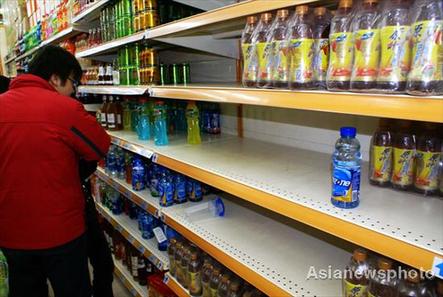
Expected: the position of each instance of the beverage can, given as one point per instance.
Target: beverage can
(186, 71)
(176, 77)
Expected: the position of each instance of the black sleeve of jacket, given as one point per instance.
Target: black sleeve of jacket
(86, 168)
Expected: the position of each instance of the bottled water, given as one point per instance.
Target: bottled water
(346, 167)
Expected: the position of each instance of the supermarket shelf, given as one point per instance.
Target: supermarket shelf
(237, 242)
(92, 107)
(296, 183)
(109, 46)
(141, 198)
(90, 13)
(114, 90)
(175, 286)
(129, 229)
(206, 5)
(378, 105)
(62, 35)
(123, 274)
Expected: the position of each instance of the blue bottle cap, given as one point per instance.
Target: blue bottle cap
(348, 132)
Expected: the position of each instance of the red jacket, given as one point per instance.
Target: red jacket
(42, 137)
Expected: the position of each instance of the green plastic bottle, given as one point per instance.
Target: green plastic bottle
(4, 287)
(192, 115)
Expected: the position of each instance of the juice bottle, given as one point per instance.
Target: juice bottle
(249, 76)
(301, 50)
(215, 281)
(143, 123)
(194, 271)
(223, 287)
(206, 277)
(403, 157)
(356, 282)
(184, 265)
(395, 50)
(366, 47)
(127, 116)
(427, 161)
(280, 50)
(322, 23)
(192, 117)
(264, 50)
(412, 286)
(111, 114)
(342, 49)
(426, 75)
(179, 274)
(382, 285)
(160, 128)
(172, 247)
(380, 165)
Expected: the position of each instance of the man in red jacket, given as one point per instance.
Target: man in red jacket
(43, 135)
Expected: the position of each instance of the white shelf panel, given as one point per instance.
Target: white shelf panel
(112, 45)
(90, 13)
(123, 274)
(114, 90)
(303, 178)
(129, 230)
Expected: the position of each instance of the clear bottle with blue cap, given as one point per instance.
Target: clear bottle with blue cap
(346, 168)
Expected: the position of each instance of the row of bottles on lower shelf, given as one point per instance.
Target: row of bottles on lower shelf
(169, 186)
(369, 45)
(376, 276)
(158, 119)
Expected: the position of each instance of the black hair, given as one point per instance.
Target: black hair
(4, 83)
(53, 59)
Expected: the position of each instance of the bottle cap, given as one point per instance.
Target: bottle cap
(360, 255)
(282, 13)
(266, 17)
(384, 264)
(345, 4)
(252, 19)
(302, 9)
(318, 11)
(348, 132)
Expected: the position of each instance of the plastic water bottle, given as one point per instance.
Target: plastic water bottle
(346, 167)
(4, 284)
(144, 124)
(138, 174)
(111, 161)
(192, 115)
(160, 126)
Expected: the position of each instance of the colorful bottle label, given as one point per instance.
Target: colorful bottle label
(403, 167)
(345, 182)
(366, 50)
(280, 56)
(427, 57)
(300, 66)
(381, 163)
(395, 60)
(321, 59)
(249, 71)
(264, 54)
(352, 290)
(341, 54)
(427, 169)
(195, 286)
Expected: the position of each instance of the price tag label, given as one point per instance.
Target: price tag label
(166, 279)
(160, 265)
(119, 228)
(150, 92)
(131, 239)
(142, 249)
(157, 213)
(133, 292)
(146, 153)
(159, 235)
(144, 205)
(154, 158)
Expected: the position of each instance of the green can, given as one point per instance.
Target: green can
(186, 72)
(164, 75)
(127, 8)
(126, 57)
(176, 76)
(125, 76)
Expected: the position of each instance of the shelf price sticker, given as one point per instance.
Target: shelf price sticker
(166, 279)
(154, 158)
(146, 153)
(133, 292)
(437, 267)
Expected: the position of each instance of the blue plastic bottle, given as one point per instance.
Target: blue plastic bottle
(160, 125)
(166, 191)
(111, 162)
(154, 180)
(144, 124)
(346, 167)
(180, 189)
(138, 174)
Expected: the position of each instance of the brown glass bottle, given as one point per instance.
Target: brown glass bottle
(119, 113)
(264, 50)
(223, 286)
(234, 288)
(427, 161)
(195, 274)
(249, 76)
(366, 48)
(103, 112)
(380, 163)
(412, 286)
(280, 50)
(111, 114)
(381, 285)
(321, 28)
(403, 157)
(301, 51)
(341, 53)
(206, 276)
(171, 253)
(356, 281)
(179, 276)
(184, 265)
(215, 281)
